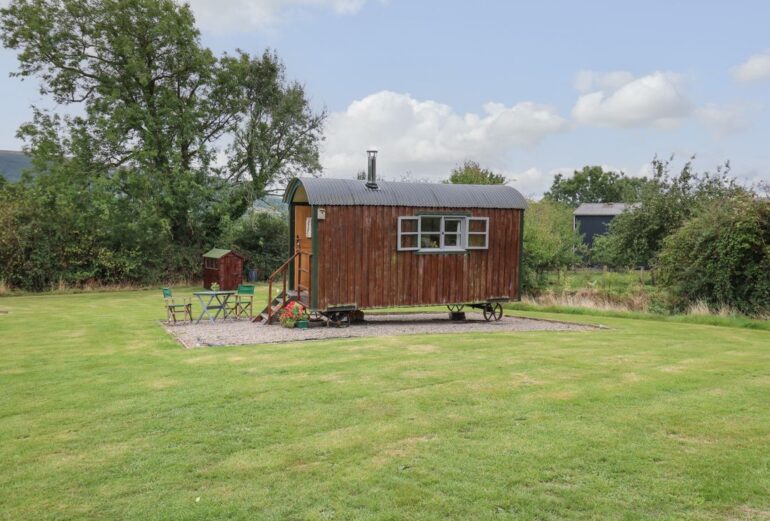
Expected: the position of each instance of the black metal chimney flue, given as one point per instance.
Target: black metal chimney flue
(371, 174)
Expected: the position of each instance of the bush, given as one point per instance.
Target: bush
(667, 201)
(550, 242)
(721, 257)
(263, 238)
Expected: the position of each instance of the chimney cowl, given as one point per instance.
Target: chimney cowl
(371, 173)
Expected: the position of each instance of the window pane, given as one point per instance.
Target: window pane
(408, 225)
(477, 225)
(477, 240)
(452, 240)
(431, 224)
(452, 225)
(409, 241)
(430, 240)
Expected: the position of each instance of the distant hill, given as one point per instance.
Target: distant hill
(12, 163)
(270, 203)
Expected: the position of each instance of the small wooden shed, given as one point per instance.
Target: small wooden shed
(224, 267)
(369, 244)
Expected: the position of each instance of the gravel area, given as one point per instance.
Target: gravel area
(245, 332)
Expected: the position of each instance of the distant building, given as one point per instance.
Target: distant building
(593, 219)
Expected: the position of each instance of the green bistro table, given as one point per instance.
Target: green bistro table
(213, 300)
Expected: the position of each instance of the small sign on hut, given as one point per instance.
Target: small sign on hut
(224, 267)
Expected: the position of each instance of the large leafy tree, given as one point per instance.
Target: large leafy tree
(277, 134)
(593, 184)
(149, 96)
(150, 106)
(667, 201)
(471, 173)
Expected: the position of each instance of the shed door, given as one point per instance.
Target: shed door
(302, 216)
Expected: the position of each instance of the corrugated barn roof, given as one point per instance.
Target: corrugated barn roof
(603, 208)
(350, 192)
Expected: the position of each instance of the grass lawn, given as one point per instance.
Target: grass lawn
(103, 416)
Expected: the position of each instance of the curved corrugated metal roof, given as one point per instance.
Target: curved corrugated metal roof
(350, 192)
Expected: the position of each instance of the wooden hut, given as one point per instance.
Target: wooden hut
(224, 267)
(368, 244)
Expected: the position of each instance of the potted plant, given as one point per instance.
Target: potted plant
(215, 286)
(295, 315)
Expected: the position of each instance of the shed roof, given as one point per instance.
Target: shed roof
(588, 209)
(351, 192)
(216, 253)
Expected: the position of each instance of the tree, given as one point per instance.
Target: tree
(550, 242)
(152, 105)
(277, 134)
(262, 237)
(667, 201)
(471, 173)
(593, 184)
(721, 256)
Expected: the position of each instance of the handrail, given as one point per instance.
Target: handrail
(282, 271)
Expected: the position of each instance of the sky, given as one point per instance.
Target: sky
(527, 89)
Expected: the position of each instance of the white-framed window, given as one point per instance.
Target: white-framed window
(434, 233)
(478, 233)
(408, 233)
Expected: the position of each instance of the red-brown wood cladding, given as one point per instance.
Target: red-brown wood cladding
(228, 274)
(359, 262)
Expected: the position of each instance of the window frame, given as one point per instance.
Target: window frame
(401, 233)
(485, 233)
(463, 233)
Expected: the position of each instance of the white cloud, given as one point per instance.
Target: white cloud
(427, 138)
(242, 15)
(621, 101)
(756, 68)
(723, 120)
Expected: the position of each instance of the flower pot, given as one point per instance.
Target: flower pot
(302, 324)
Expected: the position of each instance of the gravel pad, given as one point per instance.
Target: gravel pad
(245, 332)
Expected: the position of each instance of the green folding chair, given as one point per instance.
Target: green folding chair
(243, 306)
(172, 308)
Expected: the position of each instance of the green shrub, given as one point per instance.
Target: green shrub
(550, 242)
(263, 238)
(721, 257)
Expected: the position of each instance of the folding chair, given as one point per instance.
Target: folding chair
(244, 301)
(172, 308)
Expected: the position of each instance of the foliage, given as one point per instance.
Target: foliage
(667, 201)
(471, 173)
(293, 313)
(130, 184)
(104, 416)
(593, 184)
(277, 134)
(721, 256)
(550, 242)
(262, 238)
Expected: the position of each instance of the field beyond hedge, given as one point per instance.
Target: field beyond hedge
(103, 416)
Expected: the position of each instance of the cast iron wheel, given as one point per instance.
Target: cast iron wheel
(456, 308)
(340, 318)
(493, 311)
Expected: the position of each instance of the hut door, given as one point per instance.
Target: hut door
(302, 216)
